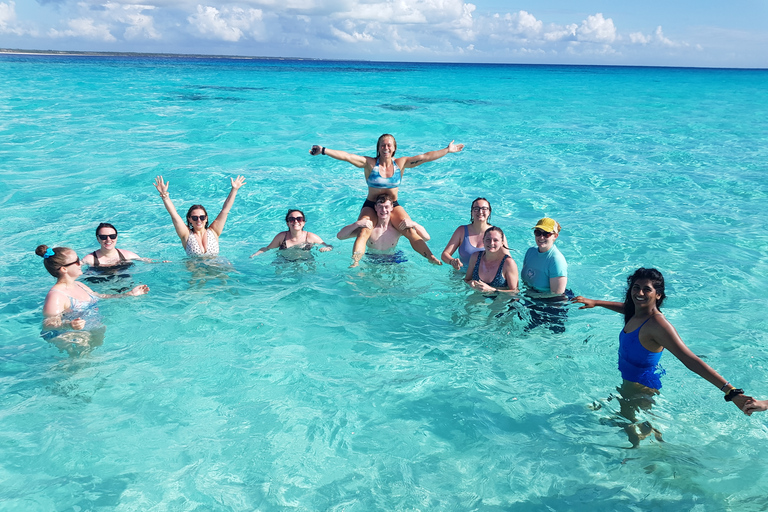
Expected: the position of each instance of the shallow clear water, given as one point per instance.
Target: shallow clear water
(265, 385)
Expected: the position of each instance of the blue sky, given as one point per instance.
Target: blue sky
(703, 33)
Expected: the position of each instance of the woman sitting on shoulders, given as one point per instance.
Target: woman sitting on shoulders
(108, 255)
(492, 270)
(545, 270)
(70, 305)
(468, 239)
(196, 235)
(295, 237)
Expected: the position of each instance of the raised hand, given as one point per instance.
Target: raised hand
(455, 148)
(237, 182)
(161, 186)
(315, 150)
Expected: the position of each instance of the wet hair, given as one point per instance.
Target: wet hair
(496, 228)
(490, 209)
(291, 211)
(643, 273)
(379, 142)
(105, 225)
(197, 207)
(383, 198)
(55, 262)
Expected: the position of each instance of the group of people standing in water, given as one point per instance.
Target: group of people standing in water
(483, 254)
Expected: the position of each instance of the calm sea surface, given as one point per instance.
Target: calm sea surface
(262, 384)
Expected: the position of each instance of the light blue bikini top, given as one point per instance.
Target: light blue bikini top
(376, 180)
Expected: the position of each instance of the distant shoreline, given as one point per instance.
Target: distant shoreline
(15, 51)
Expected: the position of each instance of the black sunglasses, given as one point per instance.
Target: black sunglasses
(545, 234)
(76, 261)
(197, 217)
(104, 237)
(295, 219)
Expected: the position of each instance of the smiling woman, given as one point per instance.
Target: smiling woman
(108, 255)
(645, 335)
(197, 237)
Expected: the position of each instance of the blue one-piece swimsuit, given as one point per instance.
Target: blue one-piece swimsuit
(466, 249)
(637, 363)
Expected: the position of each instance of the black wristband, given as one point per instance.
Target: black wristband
(323, 149)
(733, 394)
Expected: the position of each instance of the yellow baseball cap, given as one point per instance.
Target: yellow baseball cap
(548, 225)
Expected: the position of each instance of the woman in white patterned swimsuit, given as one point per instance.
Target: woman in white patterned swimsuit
(197, 236)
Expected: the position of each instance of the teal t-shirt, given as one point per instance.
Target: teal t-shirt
(538, 267)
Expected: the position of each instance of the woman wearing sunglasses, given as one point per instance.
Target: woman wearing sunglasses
(295, 238)
(108, 256)
(70, 306)
(197, 236)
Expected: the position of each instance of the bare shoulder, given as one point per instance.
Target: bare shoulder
(88, 259)
(130, 254)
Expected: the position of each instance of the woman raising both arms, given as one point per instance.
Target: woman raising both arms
(196, 235)
(384, 174)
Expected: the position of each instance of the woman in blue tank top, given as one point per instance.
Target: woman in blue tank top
(645, 335)
(384, 174)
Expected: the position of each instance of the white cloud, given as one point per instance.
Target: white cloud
(8, 22)
(140, 25)
(86, 28)
(657, 38)
(596, 29)
(229, 24)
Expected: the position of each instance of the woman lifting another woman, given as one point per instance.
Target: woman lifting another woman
(384, 174)
(196, 235)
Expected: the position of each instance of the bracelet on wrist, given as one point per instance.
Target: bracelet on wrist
(722, 388)
(323, 150)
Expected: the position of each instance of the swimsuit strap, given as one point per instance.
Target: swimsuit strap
(501, 267)
(95, 259)
(466, 231)
(641, 325)
(122, 258)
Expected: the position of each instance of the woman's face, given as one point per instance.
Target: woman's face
(296, 221)
(72, 266)
(492, 241)
(544, 240)
(197, 218)
(107, 238)
(644, 294)
(387, 147)
(481, 210)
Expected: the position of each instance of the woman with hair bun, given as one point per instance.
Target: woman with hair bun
(645, 335)
(196, 235)
(70, 305)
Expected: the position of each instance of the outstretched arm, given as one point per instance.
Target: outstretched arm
(350, 230)
(413, 161)
(139, 290)
(618, 307)
(274, 244)
(665, 335)
(218, 225)
(314, 239)
(178, 223)
(356, 160)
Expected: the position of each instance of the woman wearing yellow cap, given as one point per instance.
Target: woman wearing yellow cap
(544, 268)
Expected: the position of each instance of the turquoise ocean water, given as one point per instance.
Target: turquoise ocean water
(259, 384)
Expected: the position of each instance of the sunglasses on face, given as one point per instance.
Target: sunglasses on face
(198, 217)
(539, 232)
(113, 236)
(295, 219)
(77, 261)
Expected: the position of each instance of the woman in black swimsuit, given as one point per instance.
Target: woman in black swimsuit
(108, 256)
(295, 238)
